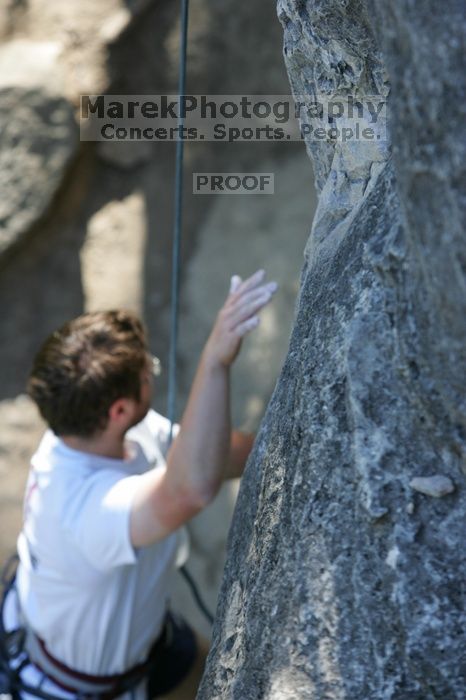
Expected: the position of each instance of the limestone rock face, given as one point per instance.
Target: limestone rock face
(51, 52)
(343, 580)
(39, 136)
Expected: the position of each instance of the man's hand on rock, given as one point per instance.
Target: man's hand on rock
(237, 317)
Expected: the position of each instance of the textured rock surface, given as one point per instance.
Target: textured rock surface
(38, 139)
(50, 53)
(342, 582)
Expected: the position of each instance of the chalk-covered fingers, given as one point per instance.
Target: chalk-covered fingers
(235, 283)
(238, 286)
(238, 316)
(246, 326)
(247, 304)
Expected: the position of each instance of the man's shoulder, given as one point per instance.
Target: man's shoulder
(48, 442)
(54, 458)
(46, 451)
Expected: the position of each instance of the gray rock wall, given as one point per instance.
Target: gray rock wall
(38, 140)
(345, 575)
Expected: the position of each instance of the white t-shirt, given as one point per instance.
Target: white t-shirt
(96, 602)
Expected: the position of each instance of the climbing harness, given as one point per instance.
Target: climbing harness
(13, 657)
(20, 648)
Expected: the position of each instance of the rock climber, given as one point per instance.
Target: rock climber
(105, 500)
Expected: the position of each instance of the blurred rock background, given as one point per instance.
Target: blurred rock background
(87, 225)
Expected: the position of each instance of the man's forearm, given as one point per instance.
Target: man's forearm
(200, 453)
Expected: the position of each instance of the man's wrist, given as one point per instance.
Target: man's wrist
(212, 363)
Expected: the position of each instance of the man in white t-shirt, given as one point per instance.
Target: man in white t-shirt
(106, 499)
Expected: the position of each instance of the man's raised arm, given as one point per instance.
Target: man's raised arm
(197, 460)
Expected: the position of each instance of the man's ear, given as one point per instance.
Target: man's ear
(120, 410)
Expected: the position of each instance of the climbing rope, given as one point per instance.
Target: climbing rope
(197, 597)
(178, 210)
(175, 282)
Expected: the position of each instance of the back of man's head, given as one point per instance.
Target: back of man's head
(84, 367)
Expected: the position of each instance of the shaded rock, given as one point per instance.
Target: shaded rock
(423, 50)
(335, 586)
(125, 154)
(21, 430)
(84, 32)
(38, 139)
(11, 12)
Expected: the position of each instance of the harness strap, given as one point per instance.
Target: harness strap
(78, 683)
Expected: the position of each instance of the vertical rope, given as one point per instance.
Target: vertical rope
(175, 287)
(178, 207)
